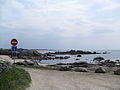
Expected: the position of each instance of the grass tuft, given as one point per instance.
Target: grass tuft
(14, 79)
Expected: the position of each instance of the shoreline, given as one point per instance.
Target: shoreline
(76, 66)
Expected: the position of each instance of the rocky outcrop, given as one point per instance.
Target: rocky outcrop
(79, 64)
(65, 68)
(77, 59)
(108, 63)
(4, 65)
(23, 54)
(80, 69)
(117, 72)
(29, 54)
(32, 54)
(79, 55)
(73, 52)
(5, 52)
(100, 70)
(64, 57)
(26, 63)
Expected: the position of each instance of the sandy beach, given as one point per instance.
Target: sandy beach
(60, 80)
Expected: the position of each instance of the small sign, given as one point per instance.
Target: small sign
(14, 48)
(14, 54)
(14, 42)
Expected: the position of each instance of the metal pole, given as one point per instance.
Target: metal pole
(14, 60)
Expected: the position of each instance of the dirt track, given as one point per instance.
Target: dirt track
(59, 80)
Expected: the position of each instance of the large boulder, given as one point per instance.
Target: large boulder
(5, 51)
(117, 72)
(79, 56)
(77, 59)
(66, 57)
(30, 63)
(109, 63)
(64, 68)
(80, 69)
(79, 64)
(29, 54)
(4, 65)
(25, 63)
(20, 63)
(100, 70)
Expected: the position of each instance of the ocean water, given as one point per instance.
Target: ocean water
(113, 55)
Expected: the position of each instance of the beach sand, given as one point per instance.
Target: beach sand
(62, 80)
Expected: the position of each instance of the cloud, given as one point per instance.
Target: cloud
(63, 22)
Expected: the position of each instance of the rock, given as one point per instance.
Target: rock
(79, 64)
(62, 57)
(117, 72)
(5, 51)
(4, 65)
(25, 63)
(79, 56)
(64, 69)
(109, 63)
(60, 64)
(73, 52)
(100, 70)
(80, 70)
(77, 59)
(58, 57)
(66, 57)
(20, 63)
(29, 63)
(29, 54)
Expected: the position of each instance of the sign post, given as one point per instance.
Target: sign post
(14, 42)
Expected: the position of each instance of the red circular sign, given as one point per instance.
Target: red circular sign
(14, 42)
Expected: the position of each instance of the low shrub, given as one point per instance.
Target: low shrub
(14, 79)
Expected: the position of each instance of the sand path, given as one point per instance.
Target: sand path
(59, 80)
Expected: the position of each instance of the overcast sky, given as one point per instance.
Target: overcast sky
(61, 24)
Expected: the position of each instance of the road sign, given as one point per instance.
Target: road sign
(14, 48)
(14, 54)
(14, 42)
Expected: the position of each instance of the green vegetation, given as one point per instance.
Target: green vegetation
(14, 79)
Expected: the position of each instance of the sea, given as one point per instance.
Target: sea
(112, 55)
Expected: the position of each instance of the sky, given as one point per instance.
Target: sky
(61, 24)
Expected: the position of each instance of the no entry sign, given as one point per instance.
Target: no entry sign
(14, 42)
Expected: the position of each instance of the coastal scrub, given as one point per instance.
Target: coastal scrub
(14, 79)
